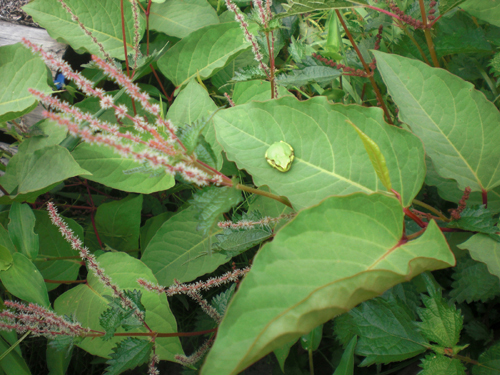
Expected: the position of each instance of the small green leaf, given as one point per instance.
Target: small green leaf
(116, 316)
(128, 354)
(282, 354)
(484, 249)
(312, 340)
(489, 362)
(476, 219)
(21, 225)
(211, 202)
(376, 157)
(434, 364)
(6, 259)
(346, 365)
(441, 323)
(24, 281)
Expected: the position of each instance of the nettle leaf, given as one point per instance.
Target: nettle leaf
(248, 73)
(452, 119)
(221, 300)
(116, 316)
(190, 134)
(317, 266)
(128, 354)
(212, 202)
(473, 282)
(203, 53)
(386, 331)
(21, 230)
(175, 251)
(485, 10)
(180, 19)
(476, 219)
(441, 323)
(308, 75)
(307, 6)
(479, 331)
(434, 364)
(329, 154)
(20, 69)
(101, 17)
(489, 362)
(484, 249)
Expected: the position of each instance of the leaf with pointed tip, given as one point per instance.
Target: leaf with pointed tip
(21, 225)
(128, 354)
(174, 251)
(476, 219)
(319, 265)
(312, 340)
(376, 157)
(329, 154)
(101, 17)
(456, 123)
(203, 52)
(181, 18)
(346, 365)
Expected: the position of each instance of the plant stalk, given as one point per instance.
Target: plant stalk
(428, 36)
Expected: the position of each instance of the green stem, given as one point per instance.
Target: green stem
(311, 362)
(410, 35)
(428, 36)
(248, 189)
(431, 209)
(367, 69)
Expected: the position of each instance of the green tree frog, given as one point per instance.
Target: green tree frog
(280, 155)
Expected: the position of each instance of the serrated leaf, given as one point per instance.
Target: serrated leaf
(308, 75)
(476, 219)
(21, 230)
(203, 52)
(212, 202)
(434, 364)
(128, 354)
(174, 252)
(86, 303)
(484, 249)
(101, 17)
(317, 266)
(485, 10)
(450, 117)
(441, 323)
(376, 157)
(307, 6)
(189, 134)
(180, 19)
(328, 152)
(20, 69)
(473, 282)
(447, 5)
(346, 365)
(221, 300)
(489, 362)
(232, 242)
(116, 316)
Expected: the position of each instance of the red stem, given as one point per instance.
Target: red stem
(484, 195)
(92, 219)
(154, 334)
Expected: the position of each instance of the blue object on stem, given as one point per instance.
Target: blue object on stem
(59, 81)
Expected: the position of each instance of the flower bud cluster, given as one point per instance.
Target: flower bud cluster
(347, 70)
(39, 320)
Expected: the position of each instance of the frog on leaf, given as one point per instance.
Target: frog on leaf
(280, 156)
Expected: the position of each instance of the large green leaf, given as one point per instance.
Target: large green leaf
(30, 172)
(181, 18)
(307, 6)
(170, 253)
(457, 124)
(329, 156)
(204, 52)
(52, 244)
(24, 281)
(245, 92)
(13, 363)
(86, 303)
(195, 104)
(484, 249)
(20, 70)
(107, 168)
(101, 17)
(487, 10)
(324, 262)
